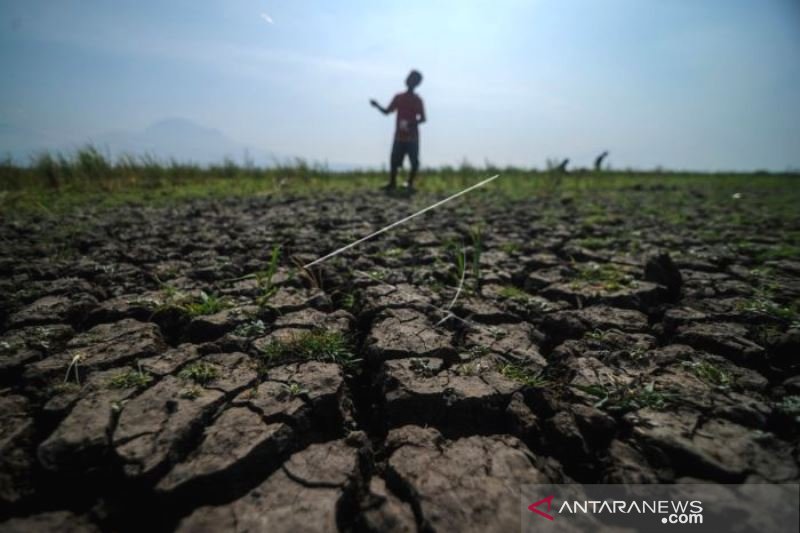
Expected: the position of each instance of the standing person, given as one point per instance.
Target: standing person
(410, 114)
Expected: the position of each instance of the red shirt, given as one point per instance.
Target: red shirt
(409, 111)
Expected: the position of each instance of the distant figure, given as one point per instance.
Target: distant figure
(563, 166)
(410, 114)
(598, 163)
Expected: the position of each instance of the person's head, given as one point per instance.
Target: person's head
(413, 80)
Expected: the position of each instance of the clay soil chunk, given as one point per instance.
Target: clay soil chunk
(235, 446)
(300, 496)
(469, 484)
(102, 347)
(153, 426)
(407, 333)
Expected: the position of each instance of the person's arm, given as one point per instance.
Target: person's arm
(421, 114)
(384, 110)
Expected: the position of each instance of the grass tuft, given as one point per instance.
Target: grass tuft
(422, 367)
(130, 379)
(294, 389)
(253, 328)
(622, 399)
(790, 406)
(514, 293)
(190, 393)
(710, 374)
(607, 277)
(200, 373)
(264, 279)
(314, 345)
(525, 375)
(207, 305)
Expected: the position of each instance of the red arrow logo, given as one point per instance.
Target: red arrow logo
(548, 501)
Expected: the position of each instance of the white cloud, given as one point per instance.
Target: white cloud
(267, 18)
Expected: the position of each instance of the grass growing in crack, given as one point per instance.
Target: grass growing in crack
(253, 328)
(460, 257)
(191, 393)
(617, 340)
(421, 367)
(294, 389)
(496, 332)
(532, 303)
(463, 261)
(477, 351)
(592, 243)
(264, 279)
(790, 406)
(10, 348)
(762, 304)
(207, 305)
(315, 345)
(350, 302)
(710, 374)
(514, 293)
(63, 388)
(606, 276)
(471, 368)
(459, 253)
(476, 238)
(777, 252)
(763, 301)
(522, 374)
(597, 335)
(200, 373)
(766, 334)
(622, 399)
(637, 353)
(131, 379)
(510, 247)
(170, 292)
(378, 275)
(392, 252)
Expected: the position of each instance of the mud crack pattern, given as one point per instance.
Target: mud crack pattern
(157, 374)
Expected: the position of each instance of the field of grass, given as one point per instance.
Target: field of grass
(54, 184)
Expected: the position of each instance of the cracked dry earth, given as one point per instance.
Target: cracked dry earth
(149, 382)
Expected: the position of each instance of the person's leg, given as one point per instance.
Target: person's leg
(413, 156)
(395, 162)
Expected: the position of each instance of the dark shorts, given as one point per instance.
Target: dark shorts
(402, 148)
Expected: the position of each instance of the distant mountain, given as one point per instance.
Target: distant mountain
(173, 138)
(179, 139)
(176, 139)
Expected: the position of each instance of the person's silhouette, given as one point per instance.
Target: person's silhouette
(598, 163)
(410, 114)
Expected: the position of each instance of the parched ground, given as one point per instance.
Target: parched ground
(157, 373)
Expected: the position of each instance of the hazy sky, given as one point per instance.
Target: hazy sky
(701, 84)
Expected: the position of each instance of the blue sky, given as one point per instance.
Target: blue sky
(687, 84)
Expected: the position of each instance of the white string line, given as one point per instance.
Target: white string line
(461, 281)
(417, 298)
(449, 313)
(406, 219)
